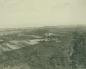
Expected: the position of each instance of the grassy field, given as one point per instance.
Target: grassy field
(43, 48)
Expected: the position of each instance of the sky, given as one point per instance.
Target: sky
(34, 13)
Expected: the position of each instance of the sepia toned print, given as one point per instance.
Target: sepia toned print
(42, 34)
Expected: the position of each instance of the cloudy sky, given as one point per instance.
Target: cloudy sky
(25, 13)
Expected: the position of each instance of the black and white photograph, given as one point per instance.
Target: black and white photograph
(42, 34)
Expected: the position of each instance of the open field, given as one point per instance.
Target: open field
(43, 48)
